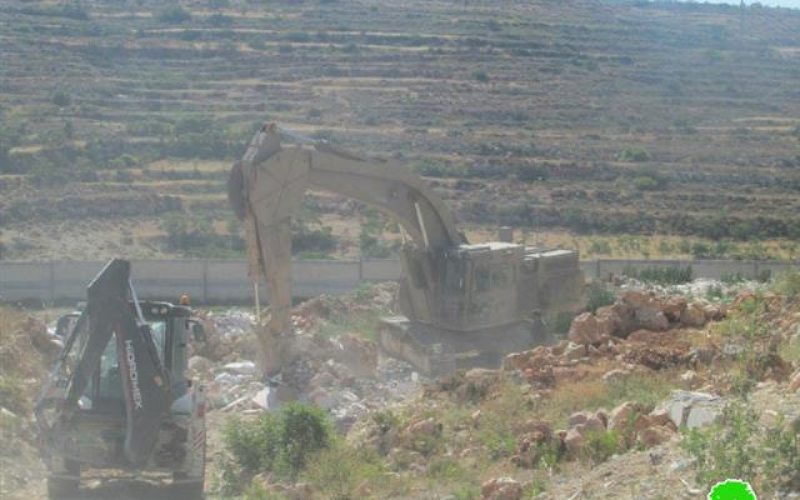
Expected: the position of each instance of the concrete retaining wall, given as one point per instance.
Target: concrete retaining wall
(226, 281)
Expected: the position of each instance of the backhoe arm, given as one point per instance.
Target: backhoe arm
(108, 317)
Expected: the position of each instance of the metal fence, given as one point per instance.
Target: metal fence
(225, 281)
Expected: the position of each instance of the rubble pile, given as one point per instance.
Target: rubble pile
(27, 349)
(343, 374)
(632, 331)
(639, 310)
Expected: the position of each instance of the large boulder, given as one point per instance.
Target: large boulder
(574, 442)
(651, 318)
(693, 409)
(617, 319)
(693, 316)
(501, 488)
(653, 436)
(586, 331)
(622, 418)
(673, 307)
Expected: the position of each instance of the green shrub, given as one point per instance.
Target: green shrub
(531, 173)
(633, 155)
(480, 76)
(600, 446)
(649, 183)
(598, 295)
(666, 275)
(599, 247)
(62, 99)
(340, 471)
(281, 443)
(789, 285)
(173, 14)
(736, 447)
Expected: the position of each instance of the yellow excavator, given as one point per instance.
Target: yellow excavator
(463, 305)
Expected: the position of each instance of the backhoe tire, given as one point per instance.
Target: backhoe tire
(59, 488)
(62, 488)
(187, 490)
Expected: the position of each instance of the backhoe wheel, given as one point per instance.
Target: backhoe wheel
(59, 488)
(187, 490)
(62, 488)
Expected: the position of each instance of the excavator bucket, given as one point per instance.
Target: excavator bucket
(109, 317)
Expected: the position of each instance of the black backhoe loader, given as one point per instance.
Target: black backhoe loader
(117, 397)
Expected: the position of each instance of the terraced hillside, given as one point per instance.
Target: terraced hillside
(119, 119)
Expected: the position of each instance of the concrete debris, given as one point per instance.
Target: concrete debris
(241, 368)
(693, 409)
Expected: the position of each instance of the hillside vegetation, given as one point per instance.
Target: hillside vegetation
(580, 115)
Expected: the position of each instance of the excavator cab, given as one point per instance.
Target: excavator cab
(117, 397)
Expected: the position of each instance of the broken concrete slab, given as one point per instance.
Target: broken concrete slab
(693, 409)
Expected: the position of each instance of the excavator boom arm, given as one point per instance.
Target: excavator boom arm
(267, 186)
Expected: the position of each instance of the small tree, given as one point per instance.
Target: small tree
(173, 14)
(62, 99)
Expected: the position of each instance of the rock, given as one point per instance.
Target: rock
(423, 428)
(515, 361)
(617, 318)
(501, 488)
(584, 330)
(689, 378)
(574, 352)
(794, 382)
(595, 424)
(540, 429)
(653, 436)
(476, 418)
(651, 319)
(636, 299)
(199, 364)
(528, 451)
(322, 379)
(559, 348)
(266, 399)
(622, 418)
(673, 307)
(359, 354)
(692, 409)
(241, 368)
(577, 418)
(10, 421)
(714, 312)
(574, 442)
(602, 416)
(693, 316)
(661, 418)
(322, 398)
(615, 376)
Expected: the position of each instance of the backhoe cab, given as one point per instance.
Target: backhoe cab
(117, 397)
(463, 304)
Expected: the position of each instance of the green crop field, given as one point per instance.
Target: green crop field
(622, 128)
